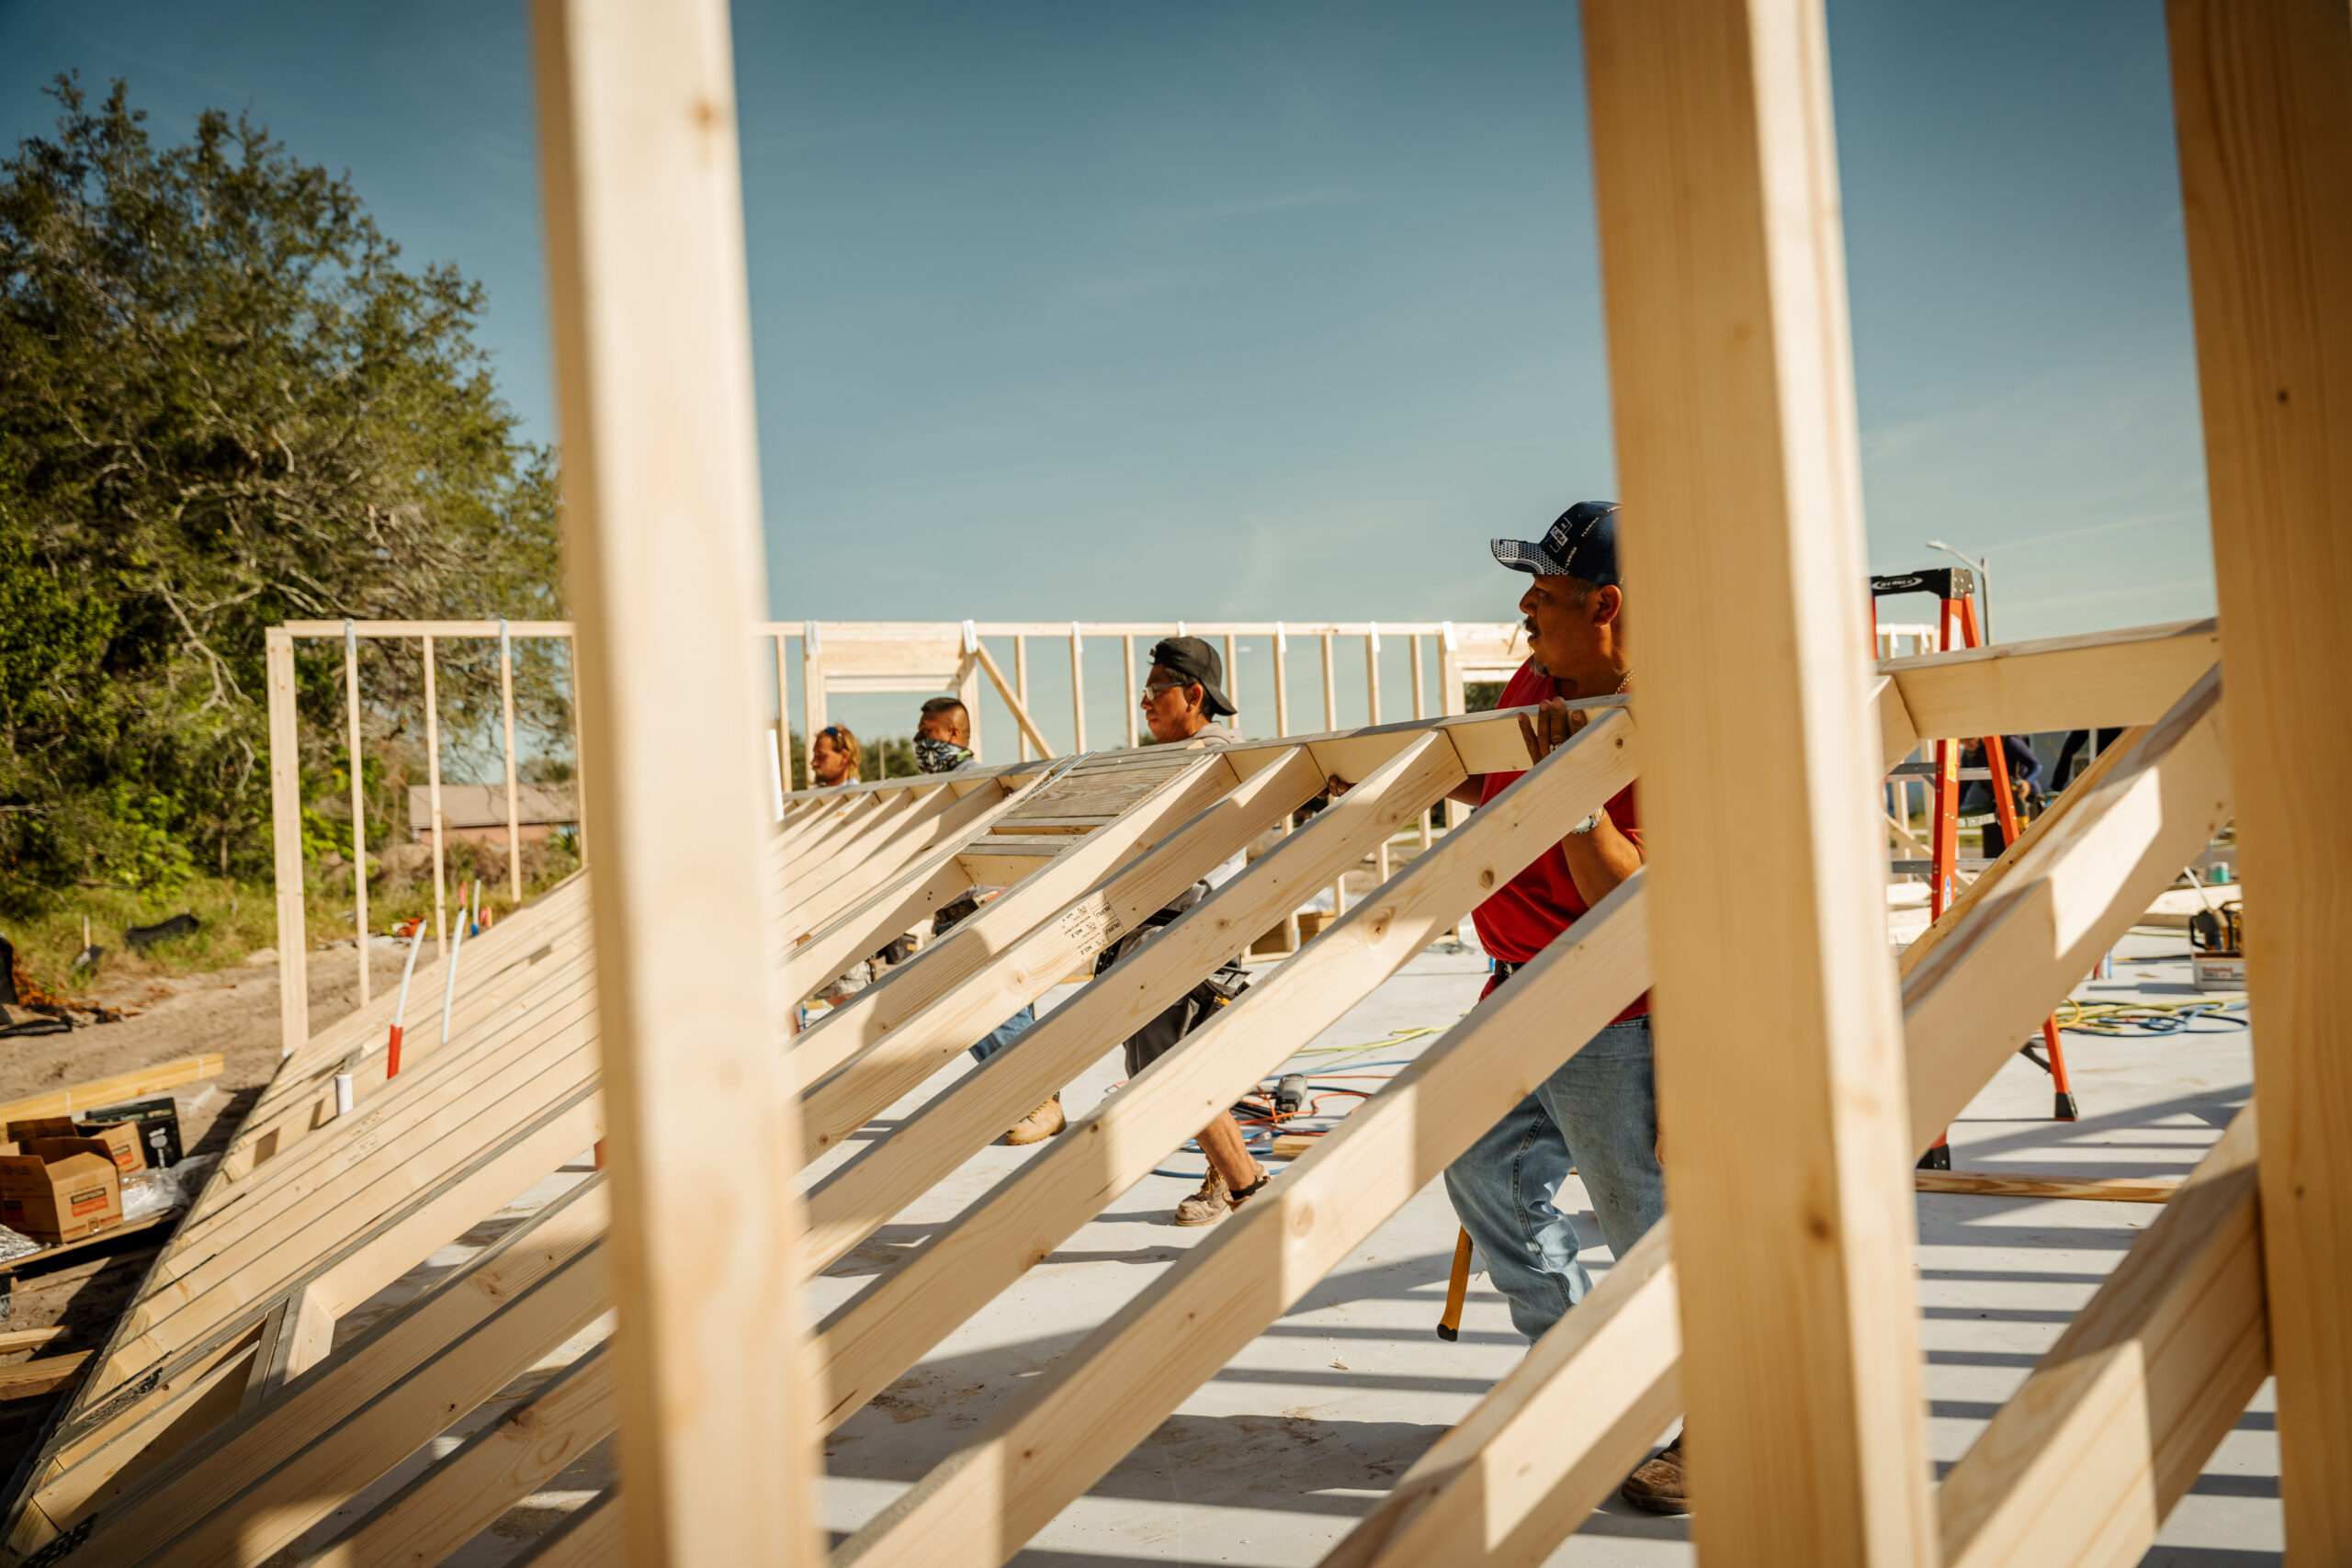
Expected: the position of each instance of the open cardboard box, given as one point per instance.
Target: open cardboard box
(58, 1190)
(120, 1138)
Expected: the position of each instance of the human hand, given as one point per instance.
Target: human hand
(1554, 723)
(1337, 786)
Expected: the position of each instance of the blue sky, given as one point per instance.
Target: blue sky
(1282, 309)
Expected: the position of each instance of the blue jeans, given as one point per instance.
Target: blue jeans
(1005, 1033)
(1597, 1114)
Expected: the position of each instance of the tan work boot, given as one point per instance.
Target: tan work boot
(1659, 1486)
(1038, 1125)
(1215, 1200)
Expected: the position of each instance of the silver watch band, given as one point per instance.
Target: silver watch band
(1587, 825)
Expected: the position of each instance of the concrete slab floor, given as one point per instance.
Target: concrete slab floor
(1276, 1458)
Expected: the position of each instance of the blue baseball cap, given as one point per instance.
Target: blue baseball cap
(1581, 543)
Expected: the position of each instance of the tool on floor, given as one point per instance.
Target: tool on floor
(400, 1007)
(1955, 589)
(1457, 1291)
(2217, 947)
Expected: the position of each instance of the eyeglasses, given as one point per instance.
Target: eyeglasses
(1151, 694)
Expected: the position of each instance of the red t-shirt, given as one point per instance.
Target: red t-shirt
(1523, 916)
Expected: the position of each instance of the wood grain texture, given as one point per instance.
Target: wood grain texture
(662, 549)
(2262, 106)
(2083, 1462)
(1723, 271)
(978, 1506)
(1525, 1468)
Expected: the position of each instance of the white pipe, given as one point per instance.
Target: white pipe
(449, 989)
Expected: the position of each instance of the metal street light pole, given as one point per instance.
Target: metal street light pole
(1984, 576)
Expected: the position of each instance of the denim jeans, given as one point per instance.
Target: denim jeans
(1005, 1033)
(1597, 1114)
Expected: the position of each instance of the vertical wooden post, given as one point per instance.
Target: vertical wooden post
(1789, 1168)
(1232, 677)
(1021, 688)
(2262, 100)
(1371, 714)
(1077, 688)
(433, 796)
(286, 842)
(578, 761)
(1282, 727)
(1420, 710)
(1331, 722)
(359, 807)
(1128, 644)
(1282, 680)
(513, 806)
(782, 715)
(638, 138)
(1330, 683)
(812, 695)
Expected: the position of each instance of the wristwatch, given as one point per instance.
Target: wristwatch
(1587, 825)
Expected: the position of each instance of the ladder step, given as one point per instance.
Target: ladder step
(1928, 867)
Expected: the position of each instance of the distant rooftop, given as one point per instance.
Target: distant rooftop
(484, 806)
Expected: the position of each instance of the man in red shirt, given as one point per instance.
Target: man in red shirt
(1598, 1114)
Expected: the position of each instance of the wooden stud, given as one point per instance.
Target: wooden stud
(2083, 1462)
(782, 717)
(1077, 688)
(637, 139)
(1021, 690)
(137, 1084)
(433, 795)
(1015, 700)
(1372, 717)
(812, 697)
(359, 809)
(286, 836)
(1232, 677)
(1526, 1469)
(1733, 383)
(847, 1206)
(1128, 643)
(2085, 1188)
(514, 811)
(462, 1494)
(589, 1536)
(2262, 106)
(1074, 1421)
(878, 1334)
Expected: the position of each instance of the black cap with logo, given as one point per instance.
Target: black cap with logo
(1581, 543)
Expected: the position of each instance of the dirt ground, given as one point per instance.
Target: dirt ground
(233, 1011)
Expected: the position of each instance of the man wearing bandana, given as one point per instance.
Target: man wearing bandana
(944, 745)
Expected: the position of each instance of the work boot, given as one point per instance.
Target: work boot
(1659, 1486)
(1215, 1200)
(1038, 1125)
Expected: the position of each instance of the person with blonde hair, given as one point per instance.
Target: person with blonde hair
(833, 757)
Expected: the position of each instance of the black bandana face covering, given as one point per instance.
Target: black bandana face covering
(940, 756)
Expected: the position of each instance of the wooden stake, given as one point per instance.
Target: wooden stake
(433, 790)
(359, 808)
(286, 842)
(637, 135)
(2262, 102)
(1790, 1178)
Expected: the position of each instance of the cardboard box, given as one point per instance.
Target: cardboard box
(121, 1139)
(58, 1190)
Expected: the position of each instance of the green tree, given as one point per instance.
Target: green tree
(225, 403)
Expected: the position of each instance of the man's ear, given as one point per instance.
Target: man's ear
(1608, 604)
